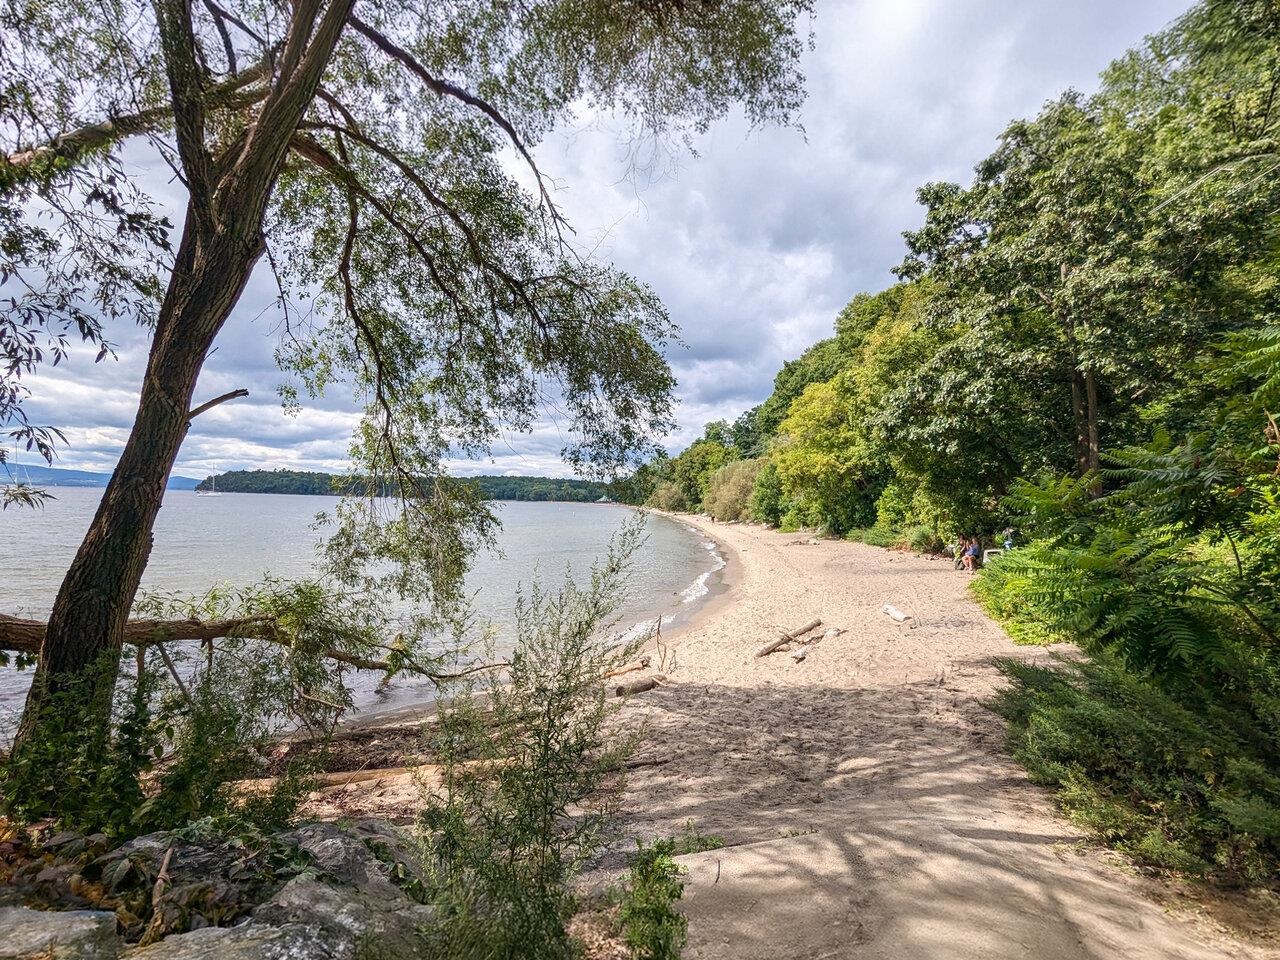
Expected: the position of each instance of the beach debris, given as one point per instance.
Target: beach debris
(786, 636)
(895, 614)
(638, 686)
(641, 664)
(802, 651)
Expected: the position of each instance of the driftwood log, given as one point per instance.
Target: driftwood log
(786, 636)
(638, 686)
(641, 664)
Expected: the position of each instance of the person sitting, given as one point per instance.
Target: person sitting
(972, 551)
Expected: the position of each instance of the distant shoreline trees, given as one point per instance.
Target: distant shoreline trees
(316, 483)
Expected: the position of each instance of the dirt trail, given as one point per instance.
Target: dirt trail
(869, 808)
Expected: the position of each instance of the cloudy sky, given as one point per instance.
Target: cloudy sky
(753, 245)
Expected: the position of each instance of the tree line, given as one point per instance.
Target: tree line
(1084, 346)
(316, 483)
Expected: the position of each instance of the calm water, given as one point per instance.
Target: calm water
(237, 538)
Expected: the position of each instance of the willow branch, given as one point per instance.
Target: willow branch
(310, 149)
(79, 143)
(444, 88)
(514, 284)
(18, 635)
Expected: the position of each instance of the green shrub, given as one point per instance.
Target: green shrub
(874, 536)
(767, 504)
(1005, 590)
(1184, 783)
(168, 758)
(922, 539)
(730, 490)
(526, 756)
(667, 496)
(651, 926)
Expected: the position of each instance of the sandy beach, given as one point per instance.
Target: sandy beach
(866, 802)
(864, 797)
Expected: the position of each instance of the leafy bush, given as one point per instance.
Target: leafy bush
(167, 759)
(767, 504)
(525, 758)
(1184, 782)
(730, 490)
(651, 926)
(667, 496)
(922, 539)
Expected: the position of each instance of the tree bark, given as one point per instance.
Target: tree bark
(1093, 446)
(1080, 419)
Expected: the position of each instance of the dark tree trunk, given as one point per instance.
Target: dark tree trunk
(1093, 446)
(1080, 419)
(86, 628)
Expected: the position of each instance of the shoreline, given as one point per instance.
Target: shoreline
(720, 582)
(864, 796)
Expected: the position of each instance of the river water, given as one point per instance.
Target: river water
(238, 538)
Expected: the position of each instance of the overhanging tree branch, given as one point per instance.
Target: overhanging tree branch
(232, 395)
(79, 143)
(446, 89)
(19, 635)
(485, 263)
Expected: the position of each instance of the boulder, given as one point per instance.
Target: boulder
(249, 941)
(57, 934)
(348, 919)
(343, 858)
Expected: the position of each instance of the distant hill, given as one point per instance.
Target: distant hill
(57, 477)
(327, 484)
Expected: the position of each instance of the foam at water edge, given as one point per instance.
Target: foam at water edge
(699, 589)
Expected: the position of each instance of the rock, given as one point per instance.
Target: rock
(348, 918)
(57, 935)
(397, 848)
(343, 857)
(249, 941)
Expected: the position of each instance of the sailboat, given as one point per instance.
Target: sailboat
(213, 488)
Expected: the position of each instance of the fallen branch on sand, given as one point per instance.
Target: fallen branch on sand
(786, 637)
(638, 686)
(642, 664)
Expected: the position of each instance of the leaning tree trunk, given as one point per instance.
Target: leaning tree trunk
(86, 628)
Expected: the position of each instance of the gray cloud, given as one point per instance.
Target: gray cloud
(754, 244)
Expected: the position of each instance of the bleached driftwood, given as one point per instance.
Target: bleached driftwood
(786, 636)
(895, 614)
(641, 664)
(638, 686)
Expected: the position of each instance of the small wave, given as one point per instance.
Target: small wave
(699, 589)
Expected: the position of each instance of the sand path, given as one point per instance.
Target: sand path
(867, 804)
